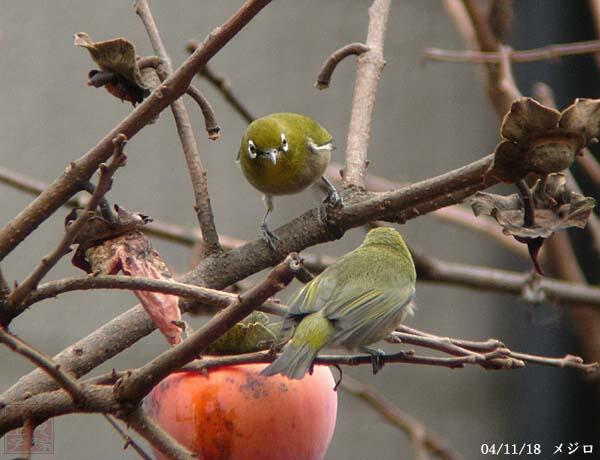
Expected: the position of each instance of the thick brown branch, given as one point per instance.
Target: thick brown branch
(220, 271)
(324, 77)
(141, 381)
(457, 215)
(551, 52)
(44, 362)
(156, 436)
(73, 180)
(71, 232)
(196, 169)
(368, 70)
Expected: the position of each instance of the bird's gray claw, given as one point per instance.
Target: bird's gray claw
(269, 237)
(377, 356)
(334, 199)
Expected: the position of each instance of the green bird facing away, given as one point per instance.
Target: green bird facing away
(355, 302)
(282, 154)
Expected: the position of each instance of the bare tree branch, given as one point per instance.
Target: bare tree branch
(422, 438)
(212, 297)
(220, 271)
(223, 86)
(129, 441)
(210, 120)
(531, 289)
(457, 215)
(44, 362)
(368, 70)
(197, 172)
(82, 169)
(324, 77)
(550, 52)
(131, 386)
(139, 383)
(71, 232)
(156, 436)
(594, 6)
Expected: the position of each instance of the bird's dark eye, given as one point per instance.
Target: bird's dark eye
(251, 149)
(284, 143)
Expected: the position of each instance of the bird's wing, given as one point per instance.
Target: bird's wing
(362, 317)
(315, 294)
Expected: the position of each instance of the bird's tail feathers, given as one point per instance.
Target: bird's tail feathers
(294, 361)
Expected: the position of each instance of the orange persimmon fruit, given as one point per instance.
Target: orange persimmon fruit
(233, 413)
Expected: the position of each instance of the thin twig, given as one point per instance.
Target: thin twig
(490, 354)
(129, 441)
(527, 199)
(550, 52)
(210, 120)
(156, 436)
(368, 70)
(429, 268)
(491, 279)
(64, 246)
(594, 6)
(223, 86)
(457, 12)
(196, 169)
(421, 437)
(500, 86)
(72, 181)
(44, 362)
(141, 381)
(28, 438)
(324, 77)
(130, 386)
(212, 297)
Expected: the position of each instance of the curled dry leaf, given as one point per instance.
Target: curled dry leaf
(256, 332)
(119, 73)
(541, 140)
(554, 208)
(110, 247)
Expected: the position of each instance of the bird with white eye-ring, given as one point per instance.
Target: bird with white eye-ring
(282, 154)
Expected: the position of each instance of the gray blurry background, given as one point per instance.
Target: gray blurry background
(428, 119)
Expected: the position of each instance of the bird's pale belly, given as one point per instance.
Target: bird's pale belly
(285, 179)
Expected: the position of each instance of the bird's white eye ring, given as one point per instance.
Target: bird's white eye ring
(284, 143)
(251, 149)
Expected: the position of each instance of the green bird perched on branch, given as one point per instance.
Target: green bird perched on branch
(282, 154)
(355, 302)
